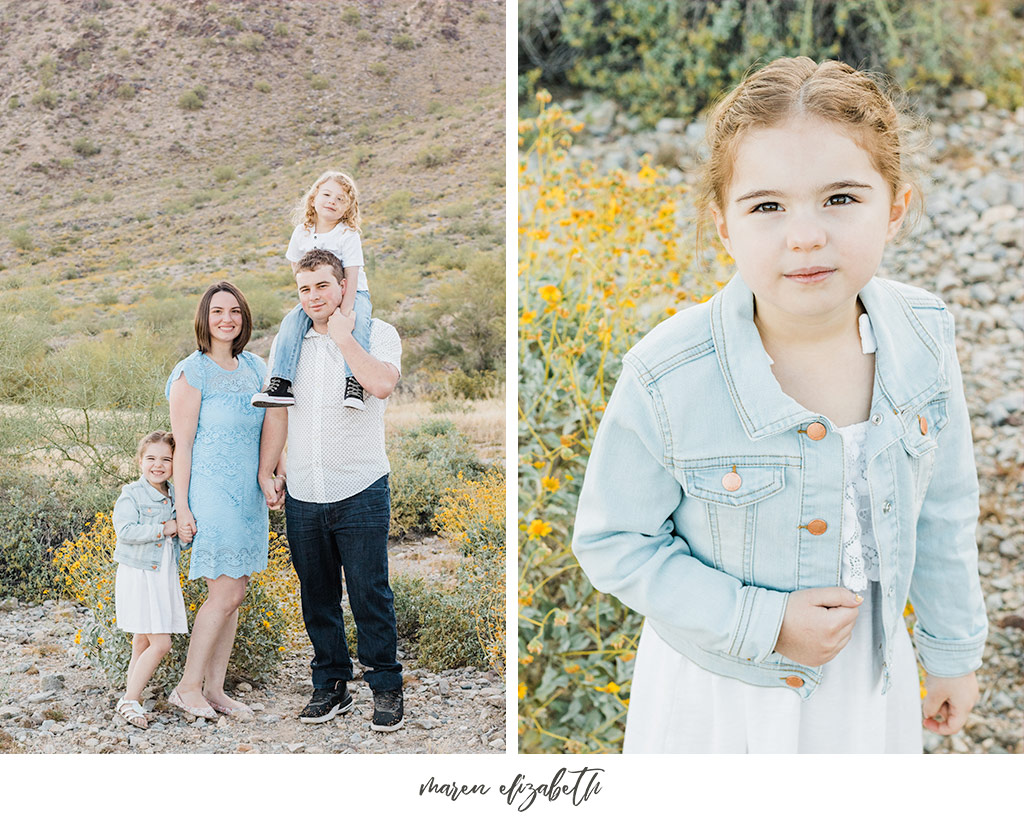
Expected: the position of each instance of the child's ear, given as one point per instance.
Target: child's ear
(720, 226)
(898, 211)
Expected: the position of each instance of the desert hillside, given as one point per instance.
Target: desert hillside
(149, 149)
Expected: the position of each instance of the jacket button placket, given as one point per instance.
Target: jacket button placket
(820, 450)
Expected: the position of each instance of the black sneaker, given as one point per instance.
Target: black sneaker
(387, 711)
(353, 394)
(326, 703)
(277, 393)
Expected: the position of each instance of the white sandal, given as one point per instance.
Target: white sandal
(132, 712)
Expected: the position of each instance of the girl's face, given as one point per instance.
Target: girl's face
(225, 317)
(331, 201)
(806, 218)
(156, 462)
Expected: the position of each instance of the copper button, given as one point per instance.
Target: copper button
(732, 481)
(924, 425)
(817, 527)
(794, 681)
(816, 431)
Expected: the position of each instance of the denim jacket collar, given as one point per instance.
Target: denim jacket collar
(153, 493)
(908, 362)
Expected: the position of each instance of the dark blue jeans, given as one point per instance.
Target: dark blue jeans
(349, 535)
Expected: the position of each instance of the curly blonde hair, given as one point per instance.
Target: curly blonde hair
(305, 214)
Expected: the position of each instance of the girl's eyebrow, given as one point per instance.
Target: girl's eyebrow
(839, 184)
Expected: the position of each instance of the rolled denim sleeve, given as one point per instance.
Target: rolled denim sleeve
(127, 526)
(625, 538)
(945, 589)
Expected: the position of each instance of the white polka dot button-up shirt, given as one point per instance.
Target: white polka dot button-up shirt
(335, 452)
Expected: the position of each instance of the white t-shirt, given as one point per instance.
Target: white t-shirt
(335, 452)
(341, 241)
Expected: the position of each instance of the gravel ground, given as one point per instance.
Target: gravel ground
(52, 700)
(967, 249)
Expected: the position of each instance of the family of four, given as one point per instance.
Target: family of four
(331, 371)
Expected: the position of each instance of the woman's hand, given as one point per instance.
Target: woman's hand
(818, 623)
(186, 525)
(947, 702)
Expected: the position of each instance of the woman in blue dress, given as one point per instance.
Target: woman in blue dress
(217, 432)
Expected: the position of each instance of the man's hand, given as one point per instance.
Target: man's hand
(947, 702)
(340, 326)
(273, 490)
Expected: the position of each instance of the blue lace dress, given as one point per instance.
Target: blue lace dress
(223, 494)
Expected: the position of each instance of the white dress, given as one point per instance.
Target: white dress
(149, 600)
(677, 707)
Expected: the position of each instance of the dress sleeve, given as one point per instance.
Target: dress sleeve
(193, 371)
(257, 364)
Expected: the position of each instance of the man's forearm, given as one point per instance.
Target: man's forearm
(375, 376)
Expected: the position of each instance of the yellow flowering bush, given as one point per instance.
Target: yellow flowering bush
(602, 259)
(269, 619)
(472, 517)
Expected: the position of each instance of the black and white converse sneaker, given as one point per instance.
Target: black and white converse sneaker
(277, 393)
(353, 394)
(326, 703)
(388, 711)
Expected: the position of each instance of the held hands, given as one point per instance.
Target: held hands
(273, 490)
(170, 528)
(186, 526)
(947, 702)
(818, 623)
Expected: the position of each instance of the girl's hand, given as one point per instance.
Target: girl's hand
(340, 326)
(186, 526)
(947, 702)
(818, 623)
(170, 528)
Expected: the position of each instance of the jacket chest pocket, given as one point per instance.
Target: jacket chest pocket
(731, 492)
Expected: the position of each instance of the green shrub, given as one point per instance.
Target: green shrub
(251, 41)
(20, 238)
(318, 82)
(397, 204)
(673, 59)
(351, 16)
(379, 69)
(36, 514)
(403, 42)
(193, 99)
(424, 462)
(86, 571)
(438, 622)
(433, 155)
(85, 147)
(47, 98)
(222, 174)
(261, 86)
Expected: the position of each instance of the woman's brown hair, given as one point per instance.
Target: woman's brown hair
(202, 324)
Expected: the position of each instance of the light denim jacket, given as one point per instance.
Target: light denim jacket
(139, 517)
(711, 567)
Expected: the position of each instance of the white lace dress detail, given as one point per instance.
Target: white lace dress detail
(860, 551)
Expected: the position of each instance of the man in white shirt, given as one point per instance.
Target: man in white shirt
(338, 505)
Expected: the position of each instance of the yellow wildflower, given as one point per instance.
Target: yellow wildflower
(538, 528)
(550, 294)
(550, 484)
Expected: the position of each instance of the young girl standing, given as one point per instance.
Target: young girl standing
(327, 217)
(779, 468)
(147, 591)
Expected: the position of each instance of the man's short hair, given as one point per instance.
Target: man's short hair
(315, 258)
